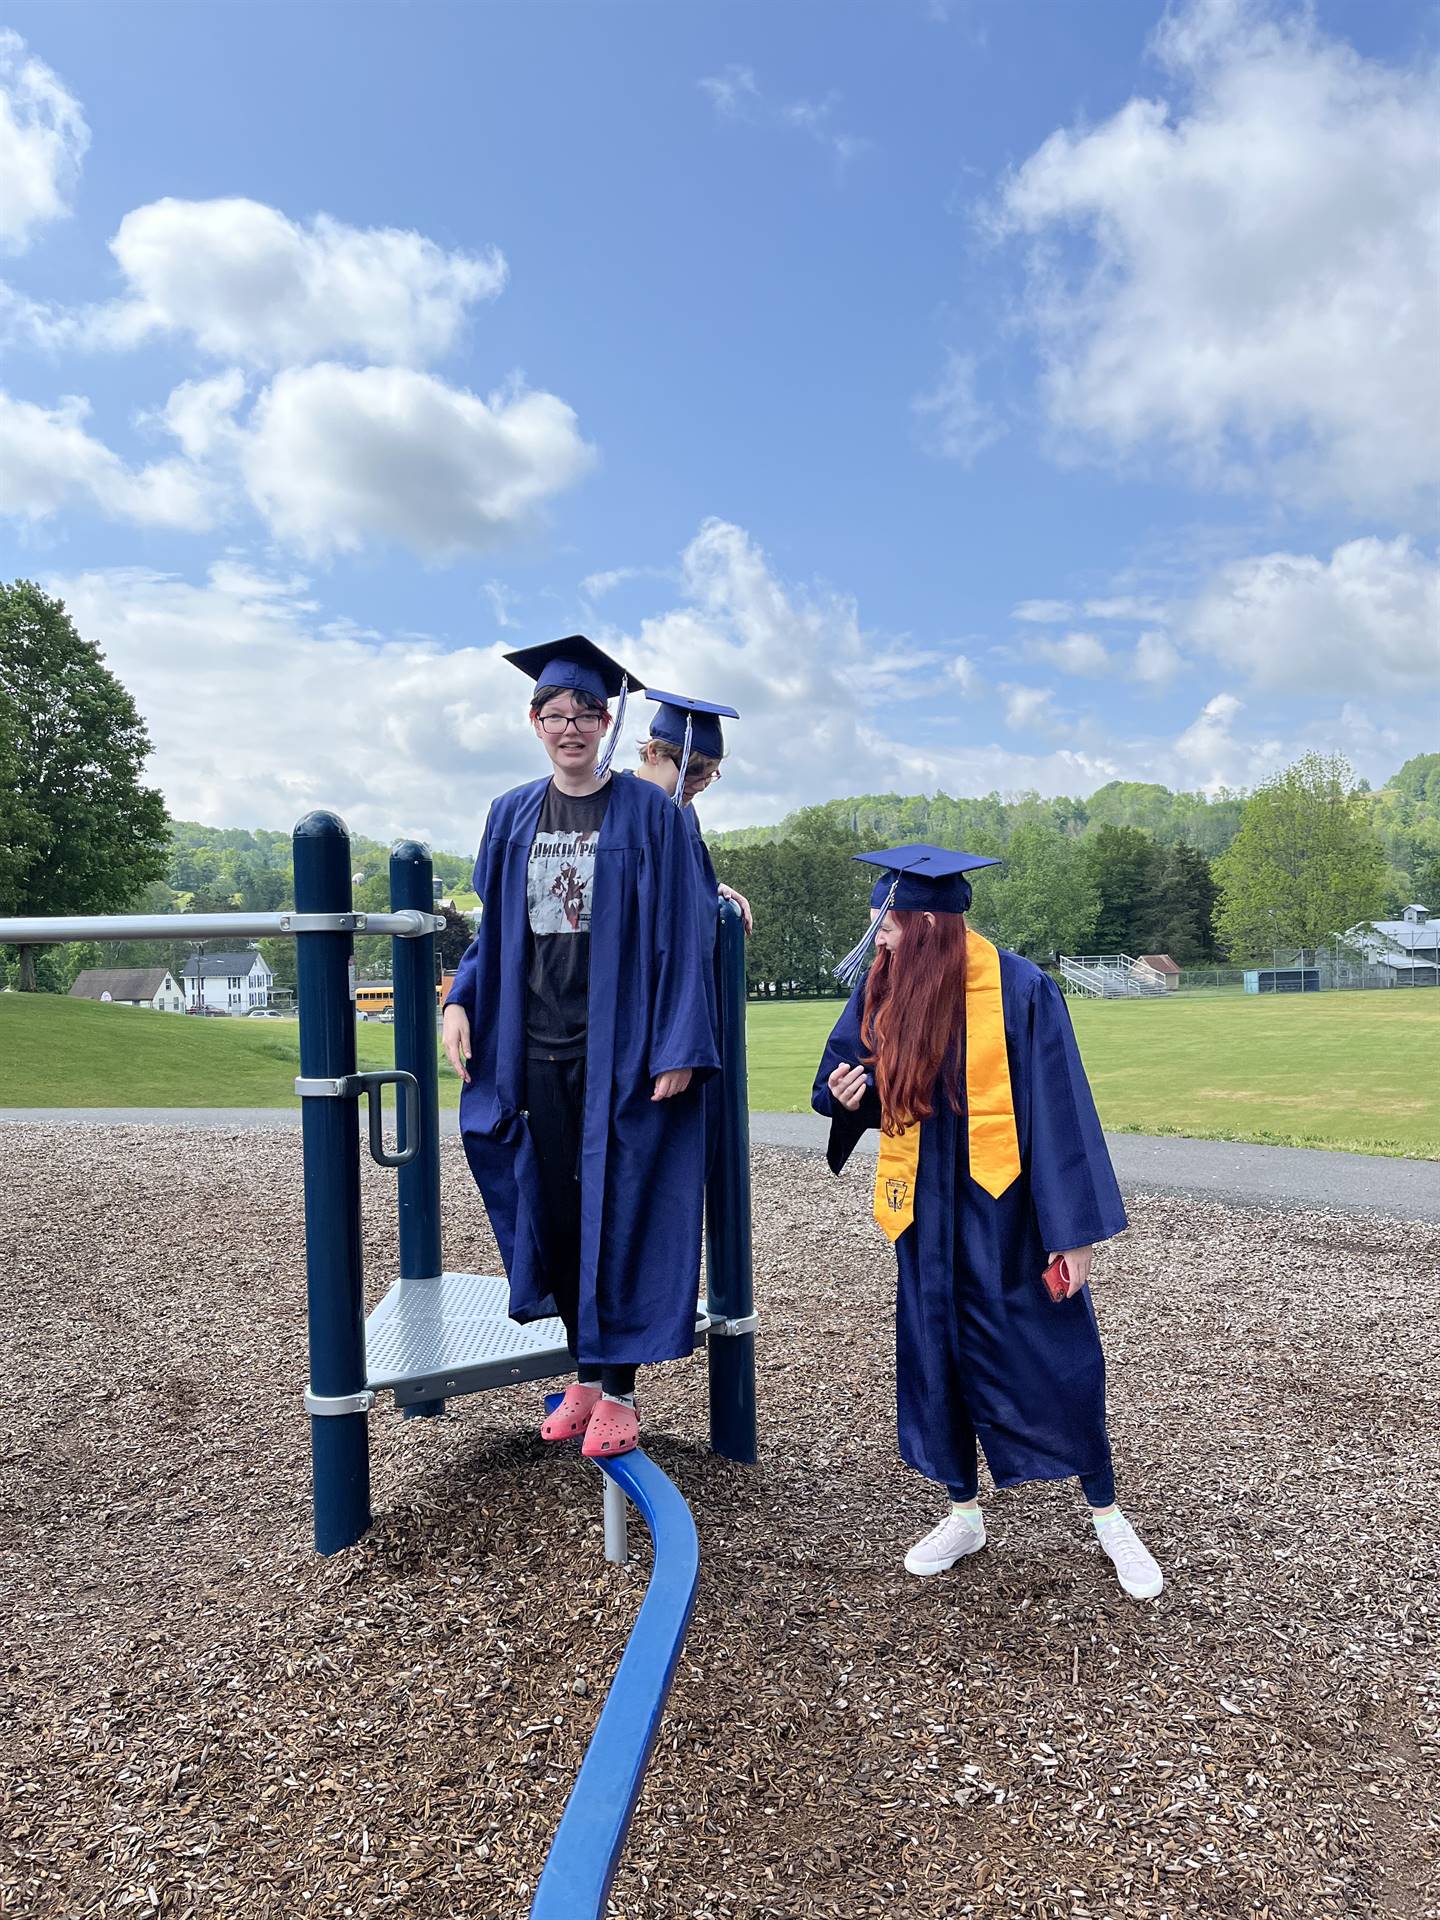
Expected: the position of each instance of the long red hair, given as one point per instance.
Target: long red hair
(914, 1009)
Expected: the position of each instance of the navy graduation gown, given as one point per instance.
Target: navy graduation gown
(981, 1351)
(650, 1011)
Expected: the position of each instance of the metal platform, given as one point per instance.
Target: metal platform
(433, 1339)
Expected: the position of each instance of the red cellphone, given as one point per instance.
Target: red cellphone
(1057, 1280)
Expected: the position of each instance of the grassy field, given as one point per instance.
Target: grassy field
(1350, 1070)
(58, 1052)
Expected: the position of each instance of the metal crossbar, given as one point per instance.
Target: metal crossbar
(408, 925)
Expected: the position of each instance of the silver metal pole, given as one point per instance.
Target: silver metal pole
(617, 1530)
(407, 925)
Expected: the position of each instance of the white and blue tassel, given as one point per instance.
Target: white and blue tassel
(602, 765)
(853, 965)
(684, 762)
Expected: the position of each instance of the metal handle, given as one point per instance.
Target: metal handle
(370, 1084)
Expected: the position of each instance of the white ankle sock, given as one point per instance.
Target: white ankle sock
(967, 1510)
(619, 1399)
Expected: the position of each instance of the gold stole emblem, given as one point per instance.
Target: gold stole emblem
(989, 1104)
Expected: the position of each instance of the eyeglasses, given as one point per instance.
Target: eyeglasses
(698, 780)
(585, 724)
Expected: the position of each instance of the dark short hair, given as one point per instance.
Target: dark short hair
(591, 702)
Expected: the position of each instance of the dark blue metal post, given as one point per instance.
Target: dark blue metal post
(727, 1210)
(325, 963)
(413, 972)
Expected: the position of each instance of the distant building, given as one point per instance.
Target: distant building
(131, 987)
(1408, 949)
(1162, 964)
(228, 982)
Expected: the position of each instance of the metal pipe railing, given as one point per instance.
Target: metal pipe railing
(409, 925)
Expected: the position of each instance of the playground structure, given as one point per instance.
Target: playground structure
(438, 1334)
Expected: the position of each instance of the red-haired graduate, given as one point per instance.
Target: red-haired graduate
(992, 1171)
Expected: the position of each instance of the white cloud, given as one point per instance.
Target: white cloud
(732, 91)
(1369, 617)
(404, 734)
(1028, 707)
(1207, 755)
(1244, 275)
(1156, 660)
(1125, 606)
(200, 414)
(1043, 612)
(335, 457)
(1080, 653)
(248, 284)
(736, 94)
(595, 586)
(955, 421)
(52, 461)
(398, 734)
(43, 137)
(332, 458)
(503, 600)
(966, 674)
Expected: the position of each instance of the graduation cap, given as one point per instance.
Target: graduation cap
(916, 879)
(577, 665)
(691, 725)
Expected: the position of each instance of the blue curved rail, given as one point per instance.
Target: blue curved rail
(591, 1835)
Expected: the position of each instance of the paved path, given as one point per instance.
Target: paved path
(1211, 1169)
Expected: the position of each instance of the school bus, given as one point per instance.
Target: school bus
(374, 996)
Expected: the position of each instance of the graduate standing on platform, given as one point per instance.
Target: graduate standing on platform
(682, 756)
(993, 1184)
(581, 1023)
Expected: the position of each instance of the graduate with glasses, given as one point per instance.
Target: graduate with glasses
(581, 1023)
(993, 1184)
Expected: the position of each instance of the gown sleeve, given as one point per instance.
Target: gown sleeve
(682, 1021)
(845, 1047)
(463, 987)
(1072, 1183)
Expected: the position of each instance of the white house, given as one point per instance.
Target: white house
(228, 982)
(1408, 948)
(153, 987)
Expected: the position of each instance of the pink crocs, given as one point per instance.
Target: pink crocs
(571, 1418)
(614, 1429)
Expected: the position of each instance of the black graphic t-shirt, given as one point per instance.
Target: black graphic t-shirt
(560, 882)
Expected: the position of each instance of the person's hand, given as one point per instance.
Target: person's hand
(847, 1084)
(667, 1085)
(455, 1038)
(1079, 1261)
(747, 919)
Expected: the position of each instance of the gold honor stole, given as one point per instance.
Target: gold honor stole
(989, 1105)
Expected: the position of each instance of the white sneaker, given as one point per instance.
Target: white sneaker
(956, 1535)
(1136, 1567)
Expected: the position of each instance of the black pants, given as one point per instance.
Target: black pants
(555, 1097)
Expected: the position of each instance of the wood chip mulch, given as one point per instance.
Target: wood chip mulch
(200, 1718)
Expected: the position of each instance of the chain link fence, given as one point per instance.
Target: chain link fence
(1342, 965)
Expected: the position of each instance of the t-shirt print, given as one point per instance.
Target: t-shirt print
(560, 882)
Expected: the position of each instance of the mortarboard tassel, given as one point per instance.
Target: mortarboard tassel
(684, 761)
(853, 965)
(602, 765)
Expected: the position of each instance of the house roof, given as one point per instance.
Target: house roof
(1161, 962)
(121, 983)
(207, 966)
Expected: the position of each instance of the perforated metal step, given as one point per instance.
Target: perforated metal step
(434, 1339)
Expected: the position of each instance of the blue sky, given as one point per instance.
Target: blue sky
(978, 395)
